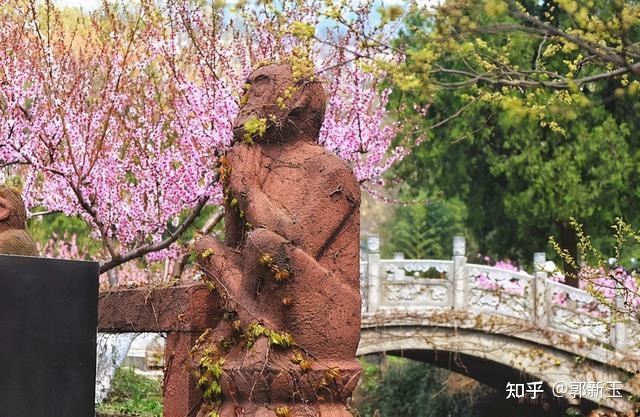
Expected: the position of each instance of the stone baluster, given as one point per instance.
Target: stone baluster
(460, 278)
(364, 282)
(538, 290)
(618, 332)
(399, 273)
(373, 273)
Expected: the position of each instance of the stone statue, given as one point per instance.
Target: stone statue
(289, 267)
(14, 238)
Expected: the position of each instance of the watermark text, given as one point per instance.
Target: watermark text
(574, 389)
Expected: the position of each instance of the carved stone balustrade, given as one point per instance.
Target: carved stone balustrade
(416, 284)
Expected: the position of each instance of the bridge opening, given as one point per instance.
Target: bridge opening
(458, 381)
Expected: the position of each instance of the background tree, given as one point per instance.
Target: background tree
(424, 229)
(531, 115)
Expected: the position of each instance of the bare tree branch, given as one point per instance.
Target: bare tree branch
(566, 83)
(44, 213)
(456, 114)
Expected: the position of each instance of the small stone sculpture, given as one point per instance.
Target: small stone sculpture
(14, 238)
(289, 267)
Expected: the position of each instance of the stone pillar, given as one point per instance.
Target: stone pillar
(460, 277)
(184, 312)
(182, 398)
(618, 331)
(539, 290)
(399, 273)
(373, 273)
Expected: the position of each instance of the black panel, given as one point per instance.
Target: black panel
(48, 320)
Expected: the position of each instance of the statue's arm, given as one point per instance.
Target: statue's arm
(261, 211)
(331, 192)
(248, 198)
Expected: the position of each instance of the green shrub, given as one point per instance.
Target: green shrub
(133, 394)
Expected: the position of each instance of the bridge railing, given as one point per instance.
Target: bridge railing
(400, 284)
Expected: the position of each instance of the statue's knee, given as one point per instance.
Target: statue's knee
(264, 239)
(206, 245)
(214, 256)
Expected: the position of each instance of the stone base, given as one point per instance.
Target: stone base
(267, 380)
(284, 410)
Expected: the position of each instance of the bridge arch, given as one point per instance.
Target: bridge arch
(494, 354)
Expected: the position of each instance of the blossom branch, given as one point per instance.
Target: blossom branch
(146, 249)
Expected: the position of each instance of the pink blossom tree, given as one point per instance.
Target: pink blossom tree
(119, 116)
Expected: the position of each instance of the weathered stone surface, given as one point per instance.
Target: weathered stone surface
(290, 261)
(189, 307)
(183, 311)
(181, 396)
(14, 239)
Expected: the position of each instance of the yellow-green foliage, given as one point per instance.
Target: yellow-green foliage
(511, 46)
(279, 273)
(593, 262)
(283, 411)
(254, 127)
(390, 13)
(209, 370)
(587, 250)
(623, 233)
(302, 30)
(255, 330)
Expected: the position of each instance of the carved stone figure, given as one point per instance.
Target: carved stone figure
(289, 267)
(14, 238)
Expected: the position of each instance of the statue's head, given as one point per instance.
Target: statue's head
(289, 108)
(13, 214)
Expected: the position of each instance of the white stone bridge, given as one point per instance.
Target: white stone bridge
(499, 326)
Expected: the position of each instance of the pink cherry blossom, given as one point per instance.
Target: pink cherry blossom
(120, 117)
